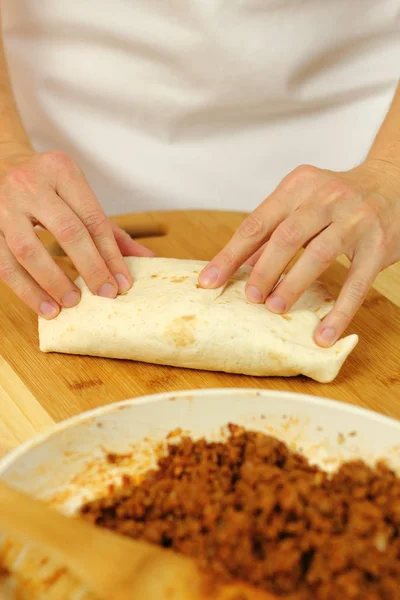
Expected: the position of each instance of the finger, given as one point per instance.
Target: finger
(316, 258)
(74, 238)
(33, 256)
(127, 245)
(71, 185)
(362, 273)
(252, 233)
(250, 262)
(289, 237)
(298, 230)
(22, 284)
(257, 227)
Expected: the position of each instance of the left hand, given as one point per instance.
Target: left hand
(356, 213)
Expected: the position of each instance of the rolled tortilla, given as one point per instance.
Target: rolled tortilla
(167, 319)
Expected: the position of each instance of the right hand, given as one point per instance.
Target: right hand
(51, 190)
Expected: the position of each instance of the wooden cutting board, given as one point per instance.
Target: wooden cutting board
(38, 389)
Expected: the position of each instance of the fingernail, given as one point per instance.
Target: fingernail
(209, 276)
(327, 335)
(107, 291)
(123, 283)
(254, 294)
(49, 310)
(70, 299)
(276, 304)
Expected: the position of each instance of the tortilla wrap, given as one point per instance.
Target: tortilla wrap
(167, 319)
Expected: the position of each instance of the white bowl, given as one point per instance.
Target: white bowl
(69, 465)
(326, 431)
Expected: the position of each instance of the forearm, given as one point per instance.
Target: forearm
(386, 146)
(15, 145)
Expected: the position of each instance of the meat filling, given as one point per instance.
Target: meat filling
(250, 509)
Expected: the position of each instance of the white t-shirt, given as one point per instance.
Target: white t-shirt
(201, 103)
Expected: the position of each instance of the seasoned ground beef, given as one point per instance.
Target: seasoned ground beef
(250, 509)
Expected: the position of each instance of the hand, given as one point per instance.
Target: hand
(356, 213)
(51, 190)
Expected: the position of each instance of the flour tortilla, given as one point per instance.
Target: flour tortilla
(167, 319)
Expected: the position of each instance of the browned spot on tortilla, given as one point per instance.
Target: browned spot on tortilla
(328, 299)
(276, 357)
(154, 276)
(316, 309)
(197, 285)
(71, 328)
(188, 318)
(287, 317)
(84, 385)
(179, 332)
(179, 279)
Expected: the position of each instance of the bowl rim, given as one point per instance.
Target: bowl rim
(310, 399)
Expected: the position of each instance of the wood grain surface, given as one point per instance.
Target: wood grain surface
(38, 389)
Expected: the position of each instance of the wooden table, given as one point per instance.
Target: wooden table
(37, 390)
